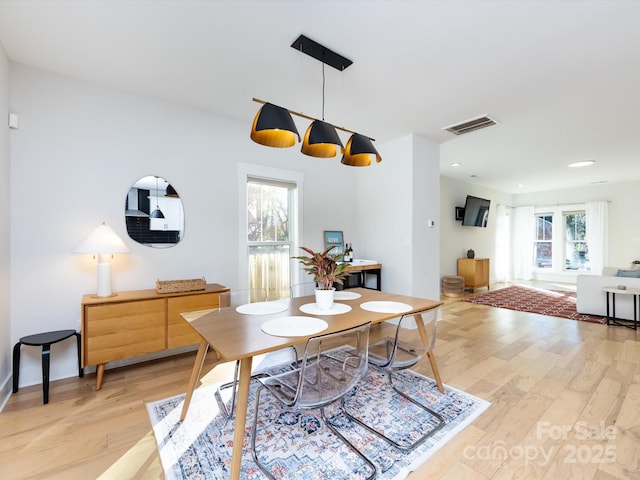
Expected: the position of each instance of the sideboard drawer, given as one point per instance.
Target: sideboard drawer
(124, 330)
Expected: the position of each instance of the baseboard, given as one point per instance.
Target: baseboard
(5, 391)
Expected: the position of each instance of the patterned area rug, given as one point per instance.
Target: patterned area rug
(535, 300)
(298, 442)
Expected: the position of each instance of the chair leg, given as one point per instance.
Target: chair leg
(16, 366)
(46, 359)
(254, 454)
(228, 413)
(371, 466)
(440, 420)
(79, 342)
(264, 469)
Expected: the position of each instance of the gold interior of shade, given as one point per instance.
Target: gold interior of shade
(319, 150)
(274, 137)
(362, 159)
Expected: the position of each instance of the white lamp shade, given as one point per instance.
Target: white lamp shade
(102, 240)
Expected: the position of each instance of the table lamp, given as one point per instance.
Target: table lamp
(103, 242)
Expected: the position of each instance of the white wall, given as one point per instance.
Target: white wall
(425, 205)
(79, 149)
(394, 201)
(384, 218)
(457, 239)
(5, 323)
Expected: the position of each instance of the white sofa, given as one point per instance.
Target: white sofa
(591, 298)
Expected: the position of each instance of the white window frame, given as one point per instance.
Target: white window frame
(247, 171)
(558, 244)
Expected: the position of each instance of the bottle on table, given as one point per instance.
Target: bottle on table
(350, 252)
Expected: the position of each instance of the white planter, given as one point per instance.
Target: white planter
(324, 299)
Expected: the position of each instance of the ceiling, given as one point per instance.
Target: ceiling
(560, 78)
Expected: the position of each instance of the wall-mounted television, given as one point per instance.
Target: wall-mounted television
(476, 212)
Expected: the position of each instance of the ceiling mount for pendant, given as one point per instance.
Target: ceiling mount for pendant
(320, 52)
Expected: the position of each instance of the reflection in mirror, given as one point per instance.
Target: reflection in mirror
(154, 213)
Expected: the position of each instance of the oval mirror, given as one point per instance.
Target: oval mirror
(154, 213)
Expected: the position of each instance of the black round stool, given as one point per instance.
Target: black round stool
(43, 340)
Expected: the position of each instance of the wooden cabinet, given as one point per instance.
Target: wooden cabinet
(475, 272)
(139, 322)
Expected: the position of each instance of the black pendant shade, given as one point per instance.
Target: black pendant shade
(358, 151)
(274, 127)
(321, 140)
(171, 192)
(157, 213)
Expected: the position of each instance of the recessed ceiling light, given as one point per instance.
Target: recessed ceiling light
(584, 163)
(455, 164)
(520, 185)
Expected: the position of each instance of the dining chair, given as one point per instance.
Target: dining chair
(235, 298)
(414, 339)
(331, 365)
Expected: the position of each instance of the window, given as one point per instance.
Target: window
(270, 244)
(543, 247)
(566, 251)
(576, 256)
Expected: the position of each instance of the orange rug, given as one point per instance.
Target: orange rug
(554, 303)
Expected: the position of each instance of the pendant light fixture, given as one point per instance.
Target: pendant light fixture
(321, 139)
(157, 213)
(359, 151)
(274, 127)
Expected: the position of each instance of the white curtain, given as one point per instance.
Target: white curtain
(523, 237)
(597, 223)
(503, 240)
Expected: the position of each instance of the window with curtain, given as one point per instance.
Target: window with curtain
(576, 255)
(543, 244)
(561, 242)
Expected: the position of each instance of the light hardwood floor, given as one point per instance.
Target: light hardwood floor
(565, 403)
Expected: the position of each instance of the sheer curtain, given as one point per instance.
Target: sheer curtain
(597, 223)
(503, 247)
(523, 236)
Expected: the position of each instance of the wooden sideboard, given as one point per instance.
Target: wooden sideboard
(475, 272)
(139, 322)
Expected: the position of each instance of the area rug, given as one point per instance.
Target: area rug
(555, 303)
(298, 442)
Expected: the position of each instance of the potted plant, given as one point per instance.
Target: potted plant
(326, 270)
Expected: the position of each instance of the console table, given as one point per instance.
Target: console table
(139, 322)
(360, 271)
(611, 295)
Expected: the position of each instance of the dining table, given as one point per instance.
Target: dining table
(241, 333)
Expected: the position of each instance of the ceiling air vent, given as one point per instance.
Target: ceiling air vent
(471, 125)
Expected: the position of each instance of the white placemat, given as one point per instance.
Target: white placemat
(386, 307)
(342, 295)
(294, 326)
(262, 308)
(313, 309)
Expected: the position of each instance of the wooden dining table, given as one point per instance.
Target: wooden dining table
(236, 336)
